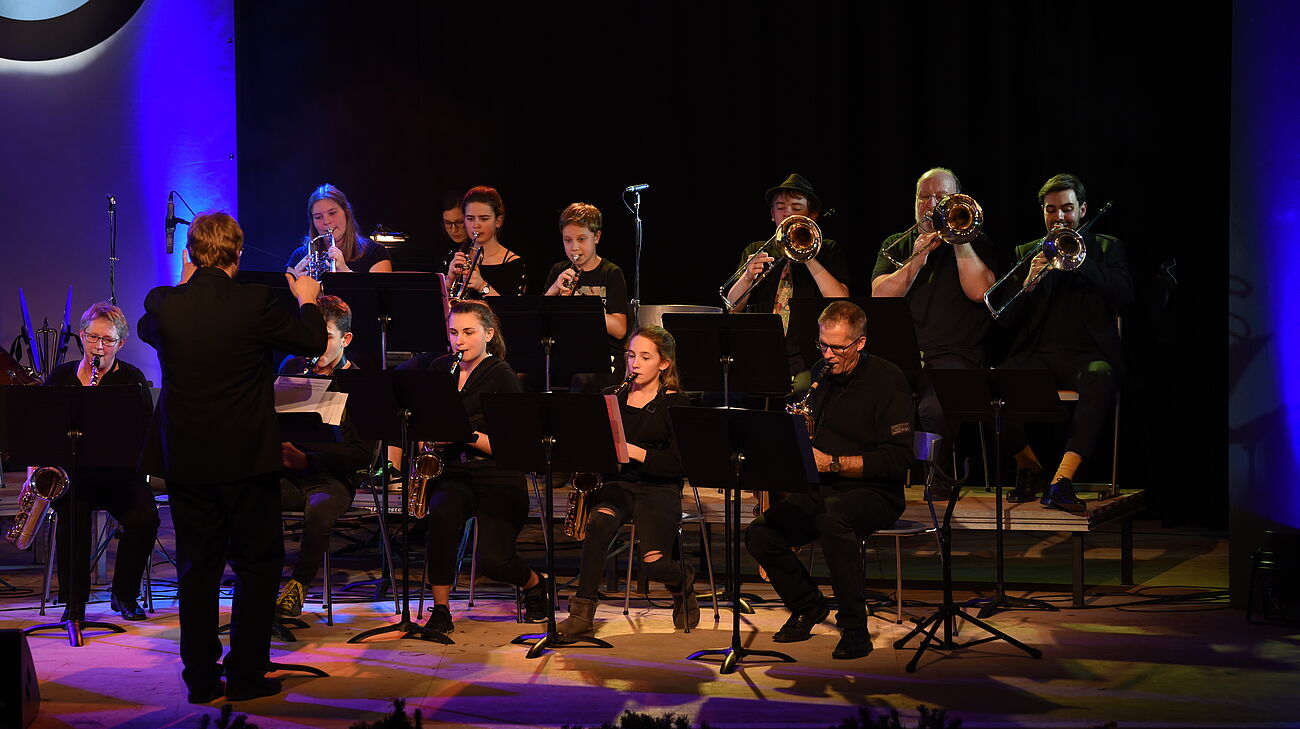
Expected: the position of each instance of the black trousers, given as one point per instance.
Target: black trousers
(929, 414)
(838, 519)
(125, 495)
(1091, 376)
(657, 512)
(239, 523)
(322, 499)
(499, 502)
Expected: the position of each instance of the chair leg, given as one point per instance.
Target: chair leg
(631, 557)
(898, 576)
(1114, 461)
(51, 549)
(473, 566)
(708, 566)
(329, 596)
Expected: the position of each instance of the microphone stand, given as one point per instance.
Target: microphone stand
(634, 305)
(112, 249)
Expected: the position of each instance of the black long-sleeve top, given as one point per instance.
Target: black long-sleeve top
(343, 459)
(650, 428)
(867, 413)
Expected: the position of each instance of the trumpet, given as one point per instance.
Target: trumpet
(1064, 249)
(576, 271)
(461, 282)
(577, 512)
(957, 219)
(797, 238)
(319, 261)
(45, 486)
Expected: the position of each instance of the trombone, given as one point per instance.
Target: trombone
(797, 238)
(957, 218)
(1064, 249)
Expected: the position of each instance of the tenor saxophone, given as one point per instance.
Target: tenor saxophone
(583, 484)
(42, 489)
(426, 466)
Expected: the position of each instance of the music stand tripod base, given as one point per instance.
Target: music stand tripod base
(74, 629)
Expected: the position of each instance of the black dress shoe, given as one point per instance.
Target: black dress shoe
(127, 607)
(1061, 495)
(1028, 485)
(255, 689)
(206, 693)
(73, 612)
(535, 599)
(440, 619)
(799, 626)
(854, 643)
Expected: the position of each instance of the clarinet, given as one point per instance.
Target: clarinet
(94, 370)
(455, 363)
(626, 383)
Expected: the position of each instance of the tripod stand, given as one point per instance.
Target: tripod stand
(949, 612)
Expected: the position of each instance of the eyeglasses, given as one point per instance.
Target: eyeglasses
(837, 349)
(453, 223)
(96, 339)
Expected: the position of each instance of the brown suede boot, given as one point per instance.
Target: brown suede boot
(581, 620)
(686, 608)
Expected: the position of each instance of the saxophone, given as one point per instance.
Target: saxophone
(426, 466)
(43, 487)
(94, 370)
(585, 483)
(804, 408)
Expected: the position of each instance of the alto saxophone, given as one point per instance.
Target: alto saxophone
(43, 488)
(585, 483)
(804, 408)
(426, 466)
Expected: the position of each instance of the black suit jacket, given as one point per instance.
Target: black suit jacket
(215, 421)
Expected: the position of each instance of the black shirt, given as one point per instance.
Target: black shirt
(493, 374)
(605, 281)
(122, 373)
(371, 253)
(763, 298)
(946, 321)
(867, 413)
(650, 428)
(341, 459)
(507, 278)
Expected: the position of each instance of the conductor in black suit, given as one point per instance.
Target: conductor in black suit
(215, 440)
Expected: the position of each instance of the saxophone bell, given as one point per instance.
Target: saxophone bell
(45, 486)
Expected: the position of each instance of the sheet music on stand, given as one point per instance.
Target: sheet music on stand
(308, 394)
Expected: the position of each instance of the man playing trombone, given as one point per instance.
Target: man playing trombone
(1069, 327)
(826, 274)
(944, 285)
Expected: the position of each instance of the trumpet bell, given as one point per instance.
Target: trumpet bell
(799, 237)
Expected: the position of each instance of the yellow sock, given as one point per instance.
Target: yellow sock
(1026, 459)
(1069, 464)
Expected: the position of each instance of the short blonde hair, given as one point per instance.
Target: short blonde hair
(215, 239)
(105, 310)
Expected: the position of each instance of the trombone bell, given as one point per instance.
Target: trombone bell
(957, 219)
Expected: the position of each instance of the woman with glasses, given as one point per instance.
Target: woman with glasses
(328, 211)
(647, 490)
(121, 491)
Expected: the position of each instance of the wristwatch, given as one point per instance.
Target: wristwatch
(835, 464)
(486, 289)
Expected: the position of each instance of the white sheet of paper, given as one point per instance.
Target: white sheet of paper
(309, 395)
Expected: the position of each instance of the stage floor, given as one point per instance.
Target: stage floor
(1123, 658)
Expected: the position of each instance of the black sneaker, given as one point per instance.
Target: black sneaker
(854, 643)
(440, 619)
(1061, 496)
(127, 607)
(1028, 485)
(255, 689)
(535, 599)
(799, 626)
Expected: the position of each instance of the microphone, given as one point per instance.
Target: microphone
(112, 203)
(172, 220)
(637, 188)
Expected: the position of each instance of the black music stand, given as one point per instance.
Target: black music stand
(569, 330)
(891, 333)
(949, 611)
(76, 427)
(725, 352)
(405, 406)
(393, 312)
(541, 433)
(1024, 395)
(735, 450)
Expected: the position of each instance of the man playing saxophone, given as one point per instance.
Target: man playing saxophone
(122, 492)
(862, 415)
(647, 490)
(320, 479)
